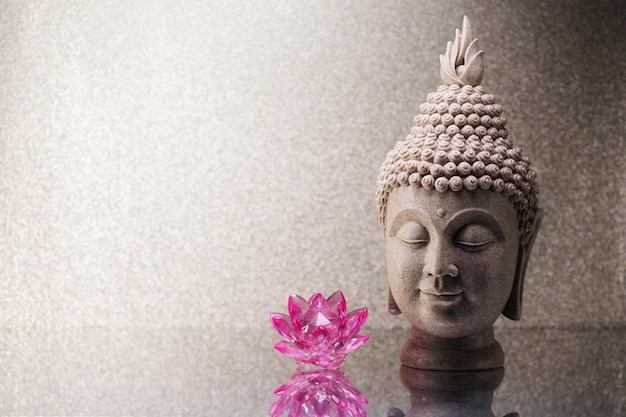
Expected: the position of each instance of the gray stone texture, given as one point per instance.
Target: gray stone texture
(171, 171)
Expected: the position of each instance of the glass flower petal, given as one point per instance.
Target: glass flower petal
(353, 344)
(282, 324)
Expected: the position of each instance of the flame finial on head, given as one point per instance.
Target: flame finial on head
(463, 62)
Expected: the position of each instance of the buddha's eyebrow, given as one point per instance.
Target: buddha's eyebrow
(476, 216)
(406, 215)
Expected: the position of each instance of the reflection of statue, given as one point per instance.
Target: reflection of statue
(459, 208)
(450, 394)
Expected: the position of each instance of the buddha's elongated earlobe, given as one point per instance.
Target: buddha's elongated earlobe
(513, 308)
(392, 307)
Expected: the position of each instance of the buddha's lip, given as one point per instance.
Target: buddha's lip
(441, 293)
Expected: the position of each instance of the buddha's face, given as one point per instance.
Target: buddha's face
(451, 258)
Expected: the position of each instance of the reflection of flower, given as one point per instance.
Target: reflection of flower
(318, 331)
(323, 393)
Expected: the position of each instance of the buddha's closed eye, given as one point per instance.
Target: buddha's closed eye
(413, 233)
(475, 237)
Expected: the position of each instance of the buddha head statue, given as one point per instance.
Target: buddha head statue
(458, 205)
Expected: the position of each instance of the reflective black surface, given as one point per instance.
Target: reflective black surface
(548, 372)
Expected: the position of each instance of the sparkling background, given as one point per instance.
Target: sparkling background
(171, 171)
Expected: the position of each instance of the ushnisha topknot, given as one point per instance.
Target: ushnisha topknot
(459, 141)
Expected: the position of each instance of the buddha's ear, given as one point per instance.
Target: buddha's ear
(392, 307)
(513, 308)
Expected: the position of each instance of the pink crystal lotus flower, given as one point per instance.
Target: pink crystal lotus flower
(320, 393)
(318, 331)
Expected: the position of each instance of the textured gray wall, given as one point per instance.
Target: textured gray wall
(171, 171)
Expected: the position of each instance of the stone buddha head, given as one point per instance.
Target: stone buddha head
(458, 205)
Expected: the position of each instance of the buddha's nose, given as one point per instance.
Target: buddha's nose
(439, 264)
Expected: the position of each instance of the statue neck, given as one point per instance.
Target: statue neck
(475, 352)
